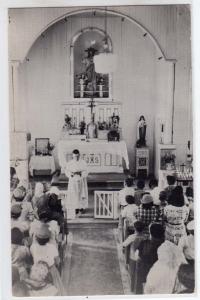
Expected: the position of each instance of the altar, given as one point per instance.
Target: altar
(101, 156)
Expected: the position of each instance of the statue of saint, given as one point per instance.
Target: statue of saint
(92, 129)
(141, 132)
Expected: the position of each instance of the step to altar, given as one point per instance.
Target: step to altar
(100, 181)
(91, 222)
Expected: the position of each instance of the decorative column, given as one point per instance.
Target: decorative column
(18, 128)
(169, 104)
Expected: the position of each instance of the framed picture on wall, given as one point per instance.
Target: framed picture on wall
(41, 146)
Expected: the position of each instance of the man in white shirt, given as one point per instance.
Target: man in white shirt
(76, 171)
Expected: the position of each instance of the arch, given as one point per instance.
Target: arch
(109, 12)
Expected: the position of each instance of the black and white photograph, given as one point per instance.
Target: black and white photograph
(102, 200)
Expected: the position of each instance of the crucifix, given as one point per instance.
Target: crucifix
(91, 105)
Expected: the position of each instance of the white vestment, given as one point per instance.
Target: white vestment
(77, 193)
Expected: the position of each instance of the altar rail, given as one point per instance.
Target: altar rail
(106, 204)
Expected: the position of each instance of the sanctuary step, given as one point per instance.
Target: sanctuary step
(112, 181)
(92, 223)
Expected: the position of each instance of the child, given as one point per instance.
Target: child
(39, 281)
(129, 212)
(43, 250)
(171, 180)
(134, 241)
(127, 190)
(20, 253)
(155, 191)
(147, 252)
(139, 192)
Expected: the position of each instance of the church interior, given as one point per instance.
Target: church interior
(112, 87)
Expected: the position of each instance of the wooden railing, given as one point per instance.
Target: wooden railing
(106, 204)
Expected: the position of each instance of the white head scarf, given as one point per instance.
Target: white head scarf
(39, 189)
(170, 254)
(54, 190)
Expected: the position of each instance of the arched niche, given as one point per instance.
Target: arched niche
(85, 81)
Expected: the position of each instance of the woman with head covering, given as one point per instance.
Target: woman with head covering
(162, 276)
(16, 221)
(19, 195)
(43, 250)
(175, 215)
(38, 193)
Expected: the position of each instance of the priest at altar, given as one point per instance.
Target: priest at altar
(76, 171)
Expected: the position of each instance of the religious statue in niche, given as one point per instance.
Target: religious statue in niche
(141, 132)
(87, 82)
(82, 126)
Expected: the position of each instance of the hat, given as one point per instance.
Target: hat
(16, 210)
(43, 232)
(190, 225)
(18, 193)
(146, 199)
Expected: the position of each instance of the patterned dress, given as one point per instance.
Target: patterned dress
(175, 222)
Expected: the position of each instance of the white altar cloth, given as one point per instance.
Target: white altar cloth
(101, 156)
(38, 162)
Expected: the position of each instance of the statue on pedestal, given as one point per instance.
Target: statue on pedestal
(141, 132)
(92, 129)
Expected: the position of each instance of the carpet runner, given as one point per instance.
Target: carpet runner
(94, 266)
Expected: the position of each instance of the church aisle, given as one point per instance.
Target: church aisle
(94, 267)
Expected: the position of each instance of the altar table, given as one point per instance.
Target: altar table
(100, 156)
(44, 163)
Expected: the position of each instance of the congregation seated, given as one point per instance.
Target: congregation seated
(166, 250)
(169, 249)
(37, 237)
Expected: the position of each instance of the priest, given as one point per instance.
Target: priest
(76, 171)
